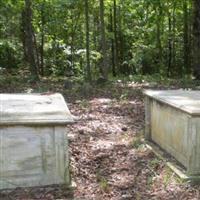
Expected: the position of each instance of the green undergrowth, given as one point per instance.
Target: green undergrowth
(102, 181)
(23, 79)
(159, 171)
(156, 80)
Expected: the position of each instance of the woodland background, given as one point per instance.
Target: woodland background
(101, 54)
(93, 39)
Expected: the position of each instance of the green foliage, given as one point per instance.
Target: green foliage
(154, 163)
(9, 56)
(103, 182)
(84, 104)
(138, 141)
(57, 63)
(124, 96)
(167, 177)
(142, 38)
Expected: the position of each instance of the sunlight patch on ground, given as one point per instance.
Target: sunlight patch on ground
(102, 144)
(101, 101)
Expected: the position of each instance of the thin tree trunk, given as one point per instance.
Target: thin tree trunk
(186, 48)
(42, 54)
(190, 37)
(104, 65)
(121, 41)
(112, 45)
(42, 41)
(95, 32)
(73, 32)
(72, 44)
(174, 37)
(36, 53)
(196, 35)
(115, 34)
(87, 41)
(159, 42)
(169, 44)
(96, 42)
(29, 40)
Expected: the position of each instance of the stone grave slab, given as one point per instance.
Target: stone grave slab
(33, 140)
(172, 120)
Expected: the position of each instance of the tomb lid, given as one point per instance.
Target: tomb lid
(185, 100)
(33, 109)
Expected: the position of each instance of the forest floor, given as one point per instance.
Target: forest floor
(109, 158)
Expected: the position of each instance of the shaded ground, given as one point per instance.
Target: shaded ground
(109, 159)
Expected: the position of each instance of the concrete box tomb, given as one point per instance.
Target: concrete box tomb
(172, 120)
(33, 142)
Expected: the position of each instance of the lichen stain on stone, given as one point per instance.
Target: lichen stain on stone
(168, 130)
(30, 163)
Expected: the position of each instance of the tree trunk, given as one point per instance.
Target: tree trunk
(29, 40)
(73, 37)
(186, 48)
(104, 64)
(42, 53)
(196, 36)
(72, 45)
(115, 34)
(121, 40)
(36, 53)
(87, 41)
(94, 32)
(174, 39)
(112, 45)
(169, 44)
(159, 42)
(42, 40)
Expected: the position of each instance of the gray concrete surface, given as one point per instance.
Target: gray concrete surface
(172, 120)
(33, 140)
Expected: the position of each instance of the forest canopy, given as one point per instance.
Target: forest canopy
(100, 38)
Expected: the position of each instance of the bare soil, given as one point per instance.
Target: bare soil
(109, 159)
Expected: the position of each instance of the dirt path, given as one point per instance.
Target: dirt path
(109, 160)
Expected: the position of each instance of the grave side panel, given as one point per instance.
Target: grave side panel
(169, 129)
(194, 143)
(28, 156)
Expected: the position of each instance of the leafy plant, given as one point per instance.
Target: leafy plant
(9, 56)
(103, 182)
(137, 142)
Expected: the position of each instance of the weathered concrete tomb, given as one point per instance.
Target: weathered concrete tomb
(33, 142)
(173, 122)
